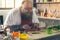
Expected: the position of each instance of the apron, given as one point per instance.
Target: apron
(26, 19)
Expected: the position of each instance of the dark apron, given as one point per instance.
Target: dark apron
(24, 21)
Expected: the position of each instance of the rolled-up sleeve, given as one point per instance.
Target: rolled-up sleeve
(35, 17)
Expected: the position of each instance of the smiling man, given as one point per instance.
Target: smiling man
(25, 16)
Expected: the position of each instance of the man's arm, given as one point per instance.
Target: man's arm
(9, 20)
(35, 20)
(35, 17)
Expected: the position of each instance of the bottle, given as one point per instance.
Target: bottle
(8, 31)
(9, 37)
(45, 0)
(45, 12)
(42, 13)
(58, 0)
(50, 0)
(41, 1)
(39, 12)
(55, 0)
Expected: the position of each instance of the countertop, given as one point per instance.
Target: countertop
(42, 35)
(39, 35)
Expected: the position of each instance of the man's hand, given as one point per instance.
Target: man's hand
(36, 27)
(6, 28)
(26, 27)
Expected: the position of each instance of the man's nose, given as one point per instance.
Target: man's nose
(26, 10)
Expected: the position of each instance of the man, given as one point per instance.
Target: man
(24, 16)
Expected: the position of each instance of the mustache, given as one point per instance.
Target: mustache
(26, 13)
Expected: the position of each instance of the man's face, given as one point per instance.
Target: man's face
(27, 8)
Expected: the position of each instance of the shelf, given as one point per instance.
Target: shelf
(52, 18)
(48, 3)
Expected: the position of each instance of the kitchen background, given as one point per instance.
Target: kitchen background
(52, 6)
(49, 12)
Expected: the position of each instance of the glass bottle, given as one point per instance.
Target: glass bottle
(42, 13)
(45, 12)
(41, 1)
(45, 0)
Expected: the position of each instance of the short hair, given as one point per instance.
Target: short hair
(26, 1)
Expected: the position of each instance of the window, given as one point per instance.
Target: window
(10, 3)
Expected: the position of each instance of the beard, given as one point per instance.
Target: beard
(27, 16)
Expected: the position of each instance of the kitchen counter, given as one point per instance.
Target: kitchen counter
(48, 21)
(43, 35)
